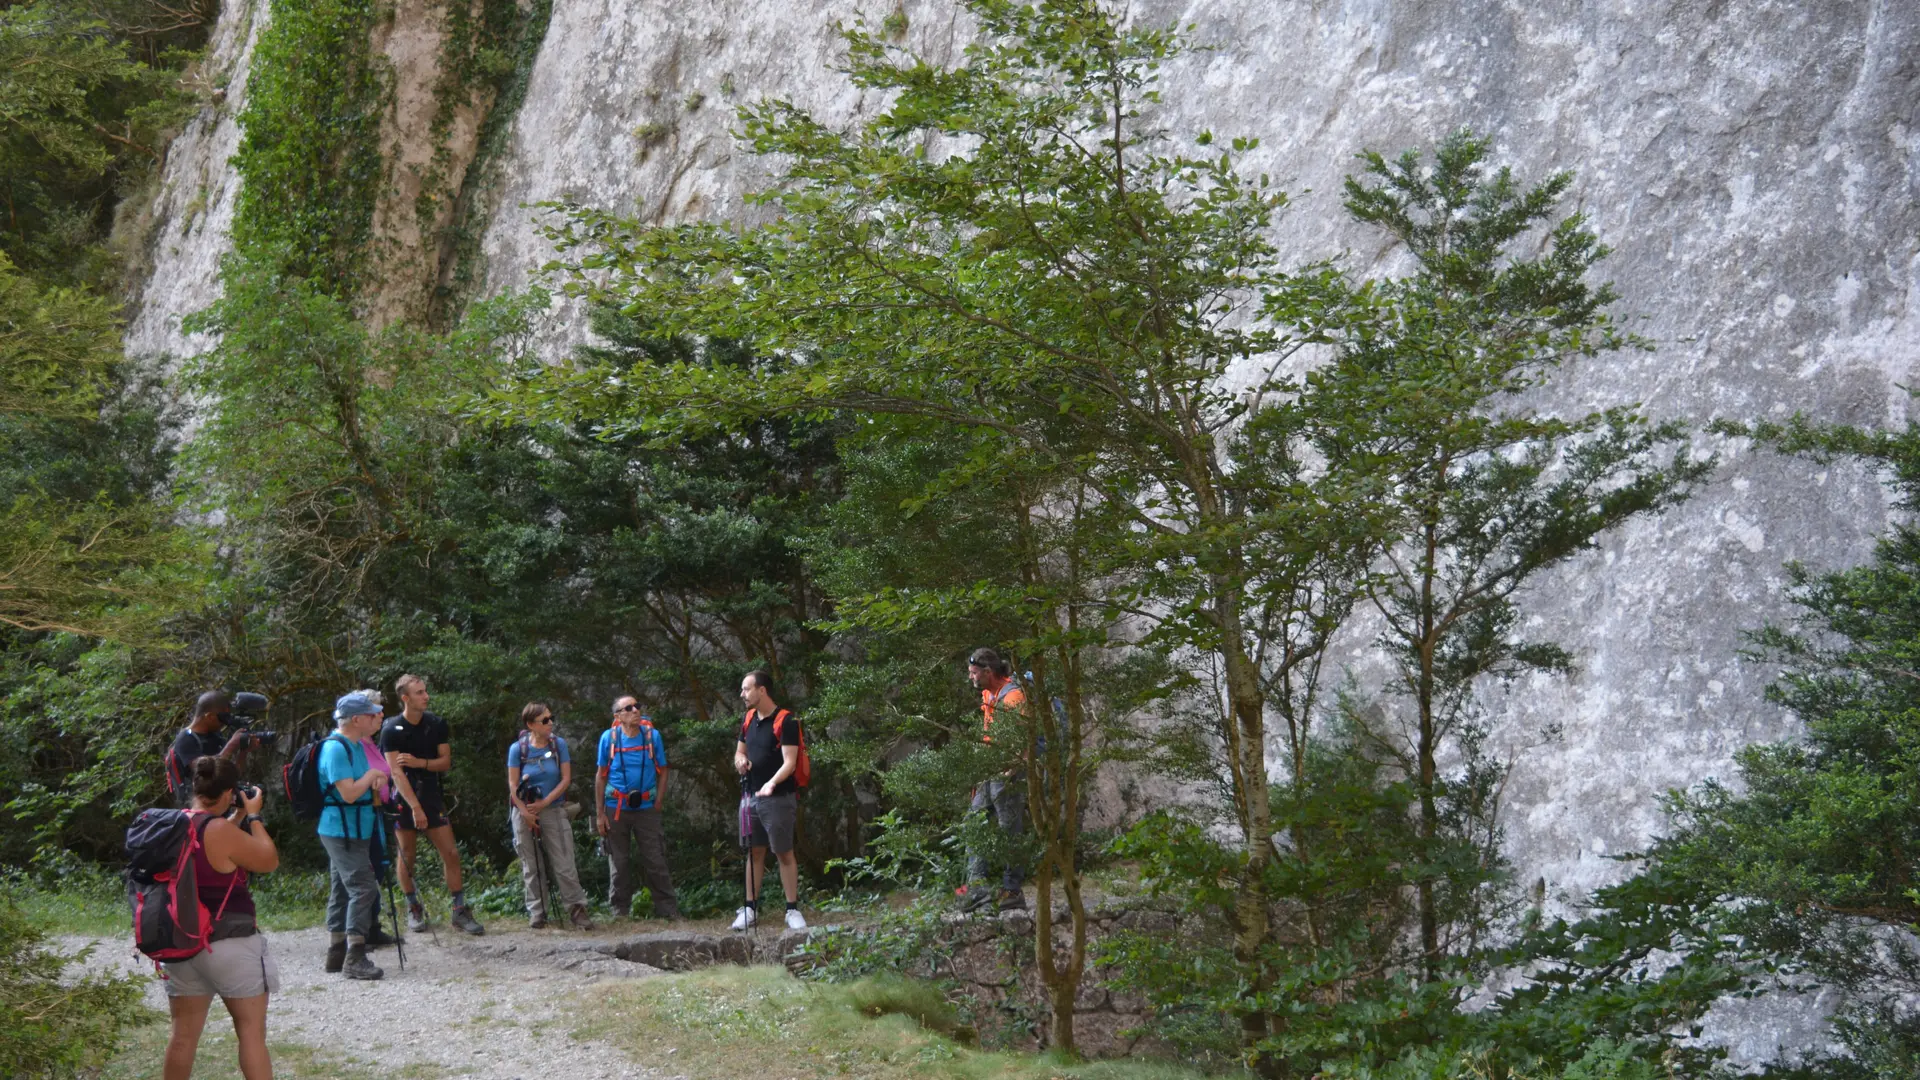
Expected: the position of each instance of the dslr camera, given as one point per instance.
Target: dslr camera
(246, 711)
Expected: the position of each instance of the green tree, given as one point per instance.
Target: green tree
(1812, 853)
(86, 107)
(1057, 272)
(1457, 493)
(86, 550)
(1474, 491)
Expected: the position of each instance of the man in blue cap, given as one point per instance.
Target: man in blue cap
(348, 830)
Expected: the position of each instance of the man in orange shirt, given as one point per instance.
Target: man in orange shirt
(1004, 797)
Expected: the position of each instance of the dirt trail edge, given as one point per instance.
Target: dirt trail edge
(492, 1008)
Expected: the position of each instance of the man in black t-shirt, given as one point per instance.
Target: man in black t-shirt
(205, 736)
(767, 759)
(417, 747)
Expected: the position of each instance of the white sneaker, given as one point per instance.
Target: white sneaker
(795, 921)
(744, 919)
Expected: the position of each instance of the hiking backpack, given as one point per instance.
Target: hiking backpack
(169, 922)
(622, 798)
(301, 778)
(802, 768)
(176, 776)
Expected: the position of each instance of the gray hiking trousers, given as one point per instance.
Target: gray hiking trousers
(1005, 798)
(556, 850)
(636, 836)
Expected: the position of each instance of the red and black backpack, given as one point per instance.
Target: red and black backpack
(169, 922)
(803, 768)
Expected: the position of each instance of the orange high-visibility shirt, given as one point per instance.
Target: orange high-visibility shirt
(1010, 695)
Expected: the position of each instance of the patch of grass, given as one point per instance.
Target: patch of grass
(292, 900)
(80, 906)
(145, 1050)
(702, 1024)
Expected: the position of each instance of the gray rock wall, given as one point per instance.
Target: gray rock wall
(193, 210)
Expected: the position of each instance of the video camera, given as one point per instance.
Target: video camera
(246, 711)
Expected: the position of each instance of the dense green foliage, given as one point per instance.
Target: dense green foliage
(89, 94)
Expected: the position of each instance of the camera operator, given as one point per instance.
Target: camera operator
(206, 736)
(235, 965)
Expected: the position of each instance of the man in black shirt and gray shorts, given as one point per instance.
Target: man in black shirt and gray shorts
(416, 744)
(767, 755)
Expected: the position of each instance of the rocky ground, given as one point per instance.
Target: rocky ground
(499, 1007)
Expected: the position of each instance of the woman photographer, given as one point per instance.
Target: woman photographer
(538, 772)
(236, 965)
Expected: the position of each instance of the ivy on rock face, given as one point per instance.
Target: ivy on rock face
(310, 162)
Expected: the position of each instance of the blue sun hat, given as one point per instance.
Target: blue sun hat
(357, 703)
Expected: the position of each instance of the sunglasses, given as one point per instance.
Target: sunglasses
(626, 708)
(542, 720)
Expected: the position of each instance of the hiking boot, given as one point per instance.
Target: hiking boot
(378, 938)
(463, 920)
(1013, 900)
(336, 956)
(536, 922)
(744, 919)
(358, 966)
(417, 918)
(974, 898)
(795, 920)
(578, 916)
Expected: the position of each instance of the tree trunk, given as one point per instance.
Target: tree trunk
(1247, 746)
(1424, 760)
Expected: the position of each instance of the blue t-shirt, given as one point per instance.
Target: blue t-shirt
(539, 766)
(343, 759)
(629, 766)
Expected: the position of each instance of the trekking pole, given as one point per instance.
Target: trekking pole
(746, 841)
(393, 908)
(540, 870)
(399, 942)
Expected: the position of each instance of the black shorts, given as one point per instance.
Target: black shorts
(430, 802)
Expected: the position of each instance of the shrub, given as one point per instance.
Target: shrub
(51, 1026)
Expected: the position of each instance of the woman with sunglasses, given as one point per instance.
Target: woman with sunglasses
(538, 772)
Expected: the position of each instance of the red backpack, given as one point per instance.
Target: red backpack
(168, 921)
(803, 768)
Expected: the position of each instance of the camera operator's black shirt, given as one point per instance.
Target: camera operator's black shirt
(764, 755)
(423, 740)
(188, 747)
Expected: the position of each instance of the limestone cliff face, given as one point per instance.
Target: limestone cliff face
(1755, 166)
(193, 209)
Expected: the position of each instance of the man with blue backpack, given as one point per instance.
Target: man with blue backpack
(628, 786)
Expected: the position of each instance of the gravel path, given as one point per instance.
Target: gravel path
(491, 1008)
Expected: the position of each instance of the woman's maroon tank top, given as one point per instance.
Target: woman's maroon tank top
(213, 886)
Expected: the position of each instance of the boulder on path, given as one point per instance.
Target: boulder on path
(684, 950)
